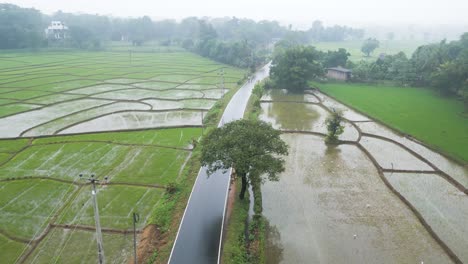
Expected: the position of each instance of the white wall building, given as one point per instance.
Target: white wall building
(56, 30)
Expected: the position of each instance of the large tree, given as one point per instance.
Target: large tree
(369, 46)
(252, 148)
(294, 67)
(20, 27)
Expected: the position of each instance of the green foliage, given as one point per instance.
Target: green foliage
(153, 257)
(249, 146)
(369, 46)
(172, 188)
(421, 113)
(20, 27)
(164, 210)
(318, 32)
(235, 246)
(293, 68)
(334, 127)
(336, 58)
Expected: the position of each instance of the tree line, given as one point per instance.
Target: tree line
(220, 38)
(442, 66)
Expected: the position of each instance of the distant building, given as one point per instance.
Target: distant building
(339, 73)
(56, 30)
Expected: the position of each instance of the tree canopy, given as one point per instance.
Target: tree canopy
(20, 27)
(250, 147)
(369, 46)
(295, 66)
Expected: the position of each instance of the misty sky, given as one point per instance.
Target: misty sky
(354, 12)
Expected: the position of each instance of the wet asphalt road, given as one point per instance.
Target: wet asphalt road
(199, 236)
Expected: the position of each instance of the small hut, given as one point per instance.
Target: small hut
(339, 73)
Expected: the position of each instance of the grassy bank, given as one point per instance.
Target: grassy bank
(234, 248)
(437, 121)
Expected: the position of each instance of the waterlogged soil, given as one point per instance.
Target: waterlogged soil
(201, 104)
(391, 156)
(33, 118)
(283, 95)
(137, 120)
(294, 116)
(434, 197)
(456, 171)
(330, 206)
(57, 125)
(348, 113)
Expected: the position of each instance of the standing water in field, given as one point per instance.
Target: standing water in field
(331, 205)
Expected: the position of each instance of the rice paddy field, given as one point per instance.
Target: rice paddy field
(435, 120)
(375, 197)
(386, 46)
(129, 118)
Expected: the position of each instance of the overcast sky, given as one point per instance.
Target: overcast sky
(354, 12)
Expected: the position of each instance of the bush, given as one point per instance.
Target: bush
(334, 127)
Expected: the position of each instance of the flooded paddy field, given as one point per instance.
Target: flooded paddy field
(46, 212)
(343, 204)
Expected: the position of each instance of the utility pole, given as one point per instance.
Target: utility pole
(136, 218)
(93, 182)
(221, 73)
(202, 126)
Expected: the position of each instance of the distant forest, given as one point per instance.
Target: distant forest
(239, 42)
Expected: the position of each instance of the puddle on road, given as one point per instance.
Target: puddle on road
(328, 195)
(443, 207)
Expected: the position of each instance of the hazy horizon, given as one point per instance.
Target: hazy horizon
(300, 13)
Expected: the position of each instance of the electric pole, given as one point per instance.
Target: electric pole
(221, 73)
(136, 218)
(202, 126)
(93, 182)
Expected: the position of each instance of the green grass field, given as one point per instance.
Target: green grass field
(435, 120)
(45, 93)
(387, 47)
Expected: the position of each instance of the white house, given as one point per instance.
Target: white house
(56, 30)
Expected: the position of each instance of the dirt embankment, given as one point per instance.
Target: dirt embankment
(150, 240)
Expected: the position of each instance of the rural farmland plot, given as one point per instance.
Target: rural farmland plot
(377, 197)
(146, 111)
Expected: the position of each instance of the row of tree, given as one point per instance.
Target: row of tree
(443, 66)
(24, 28)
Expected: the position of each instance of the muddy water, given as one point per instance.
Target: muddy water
(436, 199)
(283, 95)
(330, 206)
(293, 116)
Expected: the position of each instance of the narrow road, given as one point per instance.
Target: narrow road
(200, 232)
